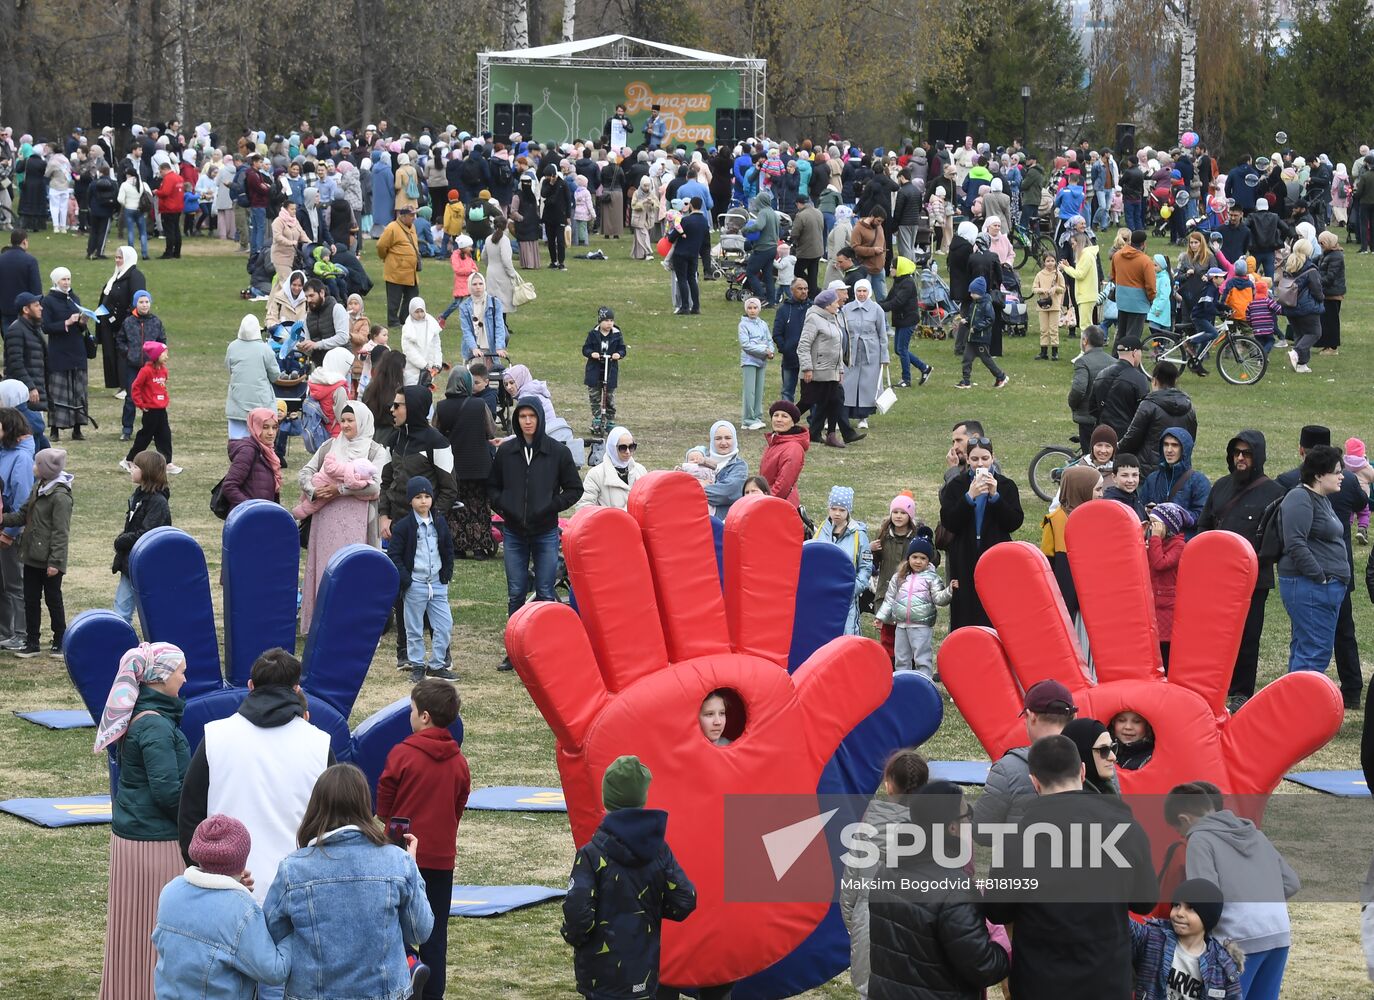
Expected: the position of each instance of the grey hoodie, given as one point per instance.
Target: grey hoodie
(1254, 880)
(854, 895)
(765, 221)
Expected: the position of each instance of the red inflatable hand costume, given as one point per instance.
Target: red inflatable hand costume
(628, 674)
(1195, 737)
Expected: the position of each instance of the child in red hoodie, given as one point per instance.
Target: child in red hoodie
(426, 780)
(1164, 539)
(149, 393)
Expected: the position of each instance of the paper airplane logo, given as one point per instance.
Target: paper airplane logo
(786, 844)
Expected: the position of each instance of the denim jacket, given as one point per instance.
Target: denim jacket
(348, 908)
(212, 941)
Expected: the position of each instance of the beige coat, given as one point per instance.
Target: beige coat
(603, 486)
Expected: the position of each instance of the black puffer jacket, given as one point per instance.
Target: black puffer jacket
(417, 449)
(625, 882)
(146, 512)
(1237, 502)
(1116, 394)
(1160, 410)
(903, 302)
(530, 491)
(1331, 267)
(26, 358)
(931, 945)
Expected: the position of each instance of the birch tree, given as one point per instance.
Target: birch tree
(569, 19)
(1182, 18)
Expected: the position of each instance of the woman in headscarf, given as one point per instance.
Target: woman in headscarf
(1082, 250)
(348, 516)
(1304, 319)
(525, 214)
(15, 394)
(253, 370)
(407, 183)
(420, 343)
(1331, 267)
(999, 243)
(643, 217)
(141, 728)
(960, 250)
(611, 198)
(1340, 196)
(481, 318)
(328, 385)
(467, 423)
(65, 328)
(118, 299)
(1080, 484)
(839, 233)
(979, 508)
(254, 466)
(983, 263)
(731, 469)
(501, 276)
(608, 484)
(58, 174)
(286, 304)
(33, 196)
(287, 235)
(866, 324)
(1098, 751)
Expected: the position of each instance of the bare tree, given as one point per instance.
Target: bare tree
(569, 19)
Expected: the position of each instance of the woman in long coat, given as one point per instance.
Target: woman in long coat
(118, 300)
(978, 511)
(501, 276)
(612, 210)
(866, 325)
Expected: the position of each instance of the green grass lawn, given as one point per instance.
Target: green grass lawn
(680, 376)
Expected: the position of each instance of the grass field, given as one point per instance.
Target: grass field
(681, 375)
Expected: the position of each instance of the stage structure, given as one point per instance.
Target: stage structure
(557, 93)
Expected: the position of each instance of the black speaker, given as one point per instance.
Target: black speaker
(1125, 138)
(501, 121)
(523, 120)
(725, 126)
(123, 115)
(948, 130)
(101, 115)
(744, 123)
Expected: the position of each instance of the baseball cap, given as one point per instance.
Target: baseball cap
(1129, 343)
(1049, 696)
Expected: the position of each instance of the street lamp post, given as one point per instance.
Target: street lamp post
(982, 124)
(1025, 116)
(1060, 129)
(920, 120)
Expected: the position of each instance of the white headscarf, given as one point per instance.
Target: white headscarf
(58, 273)
(125, 258)
(967, 231)
(719, 457)
(286, 293)
(249, 329)
(612, 453)
(419, 329)
(13, 393)
(351, 451)
(337, 362)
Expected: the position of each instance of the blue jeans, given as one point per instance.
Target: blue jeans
(759, 267)
(829, 218)
(519, 551)
(420, 598)
(1135, 215)
(257, 228)
(1265, 259)
(136, 222)
(124, 598)
(1263, 974)
(879, 283)
(903, 344)
(1313, 609)
(789, 383)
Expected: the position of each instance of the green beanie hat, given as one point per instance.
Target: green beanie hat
(626, 784)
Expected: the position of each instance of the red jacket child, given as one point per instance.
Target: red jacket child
(1165, 549)
(171, 192)
(149, 391)
(427, 780)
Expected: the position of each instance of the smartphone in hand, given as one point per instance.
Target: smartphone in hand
(396, 829)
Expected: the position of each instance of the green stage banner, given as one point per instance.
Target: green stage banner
(574, 103)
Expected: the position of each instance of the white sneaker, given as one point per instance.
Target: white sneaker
(173, 469)
(1303, 370)
(1293, 359)
(125, 464)
(863, 425)
(120, 394)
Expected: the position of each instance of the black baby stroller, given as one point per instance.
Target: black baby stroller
(1013, 303)
(731, 252)
(939, 314)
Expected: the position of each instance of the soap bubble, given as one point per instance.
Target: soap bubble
(1280, 137)
(1181, 197)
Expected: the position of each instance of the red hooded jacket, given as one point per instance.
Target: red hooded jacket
(149, 390)
(427, 780)
(782, 462)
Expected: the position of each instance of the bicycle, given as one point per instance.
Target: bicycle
(1047, 468)
(1240, 359)
(1028, 244)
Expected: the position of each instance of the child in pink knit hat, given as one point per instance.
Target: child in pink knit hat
(1356, 462)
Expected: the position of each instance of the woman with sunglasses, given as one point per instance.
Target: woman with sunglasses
(1095, 746)
(608, 484)
(979, 507)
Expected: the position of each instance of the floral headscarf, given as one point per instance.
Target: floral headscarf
(146, 663)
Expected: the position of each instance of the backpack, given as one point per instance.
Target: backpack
(477, 213)
(276, 197)
(1286, 290)
(412, 187)
(500, 173)
(1269, 535)
(314, 430)
(238, 189)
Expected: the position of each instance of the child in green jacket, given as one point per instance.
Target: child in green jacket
(46, 518)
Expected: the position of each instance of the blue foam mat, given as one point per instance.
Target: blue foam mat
(74, 810)
(518, 798)
(59, 718)
(961, 772)
(492, 900)
(1346, 784)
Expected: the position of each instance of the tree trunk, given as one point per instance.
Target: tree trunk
(134, 45)
(1187, 76)
(569, 19)
(520, 24)
(155, 108)
(180, 45)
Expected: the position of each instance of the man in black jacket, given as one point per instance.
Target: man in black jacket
(906, 213)
(687, 244)
(1267, 233)
(1118, 390)
(1236, 503)
(1346, 502)
(932, 942)
(18, 273)
(1166, 406)
(103, 204)
(26, 351)
(533, 478)
(787, 328)
(1073, 939)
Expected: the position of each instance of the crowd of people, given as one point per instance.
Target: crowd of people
(436, 454)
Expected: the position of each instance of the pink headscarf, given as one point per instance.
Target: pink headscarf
(257, 419)
(146, 663)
